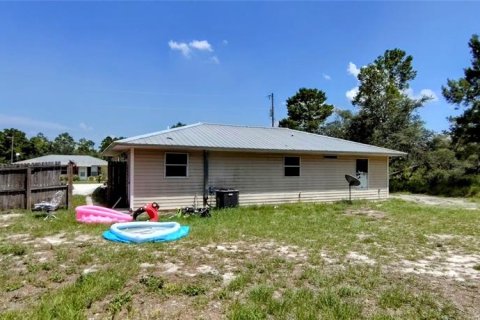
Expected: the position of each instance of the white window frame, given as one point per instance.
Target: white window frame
(293, 166)
(175, 165)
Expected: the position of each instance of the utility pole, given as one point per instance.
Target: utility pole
(272, 109)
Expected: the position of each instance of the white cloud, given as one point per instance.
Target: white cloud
(85, 127)
(350, 94)
(14, 121)
(352, 69)
(180, 46)
(201, 45)
(186, 49)
(326, 77)
(423, 93)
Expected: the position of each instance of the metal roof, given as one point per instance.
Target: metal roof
(80, 161)
(244, 138)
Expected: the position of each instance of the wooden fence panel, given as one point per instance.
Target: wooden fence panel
(21, 186)
(12, 180)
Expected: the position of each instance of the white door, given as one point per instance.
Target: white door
(82, 173)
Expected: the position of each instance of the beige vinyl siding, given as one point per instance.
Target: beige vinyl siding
(258, 177)
(170, 192)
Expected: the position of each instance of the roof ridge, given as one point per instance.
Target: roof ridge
(241, 126)
(146, 135)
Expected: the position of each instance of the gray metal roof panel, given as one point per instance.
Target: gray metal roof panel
(231, 137)
(79, 160)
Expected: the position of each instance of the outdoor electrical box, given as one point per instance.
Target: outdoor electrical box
(226, 198)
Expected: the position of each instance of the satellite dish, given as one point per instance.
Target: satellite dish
(352, 181)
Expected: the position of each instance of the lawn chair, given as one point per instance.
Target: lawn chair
(50, 206)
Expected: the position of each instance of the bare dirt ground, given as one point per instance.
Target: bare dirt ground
(437, 201)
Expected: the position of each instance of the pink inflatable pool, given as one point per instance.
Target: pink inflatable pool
(96, 214)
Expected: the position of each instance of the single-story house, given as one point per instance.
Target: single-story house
(84, 166)
(178, 166)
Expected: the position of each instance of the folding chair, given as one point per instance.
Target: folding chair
(50, 206)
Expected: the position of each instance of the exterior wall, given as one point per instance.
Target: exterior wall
(259, 178)
(150, 183)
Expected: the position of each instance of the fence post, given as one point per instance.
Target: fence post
(28, 188)
(70, 184)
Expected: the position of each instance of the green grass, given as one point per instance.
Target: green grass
(313, 278)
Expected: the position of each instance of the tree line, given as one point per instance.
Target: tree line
(26, 148)
(386, 115)
(39, 145)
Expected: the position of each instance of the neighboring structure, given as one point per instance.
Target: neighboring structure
(85, 166)
(267, 165)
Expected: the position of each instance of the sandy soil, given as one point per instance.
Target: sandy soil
(437, 201)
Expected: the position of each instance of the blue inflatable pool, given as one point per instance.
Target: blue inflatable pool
(178, 234)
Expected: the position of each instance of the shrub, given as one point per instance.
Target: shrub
(99, 195)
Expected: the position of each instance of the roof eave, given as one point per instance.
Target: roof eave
(116, 148)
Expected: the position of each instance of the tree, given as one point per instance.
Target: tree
(465, 129)
(40, 145)
(385, 107)
(107, 141)
(307, 110)
(338, 128)
(86, 147)
(178, 125)
(21, 146)
(64, 144)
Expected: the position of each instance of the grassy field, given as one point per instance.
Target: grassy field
(366, 260)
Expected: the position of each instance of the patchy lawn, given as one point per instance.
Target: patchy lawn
(368, 260)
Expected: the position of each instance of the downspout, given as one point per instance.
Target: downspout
(205, 177)
(131, 176)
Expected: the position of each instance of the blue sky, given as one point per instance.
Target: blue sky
(98, 69)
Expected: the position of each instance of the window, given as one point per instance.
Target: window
(362, 173)
(291, 166)
(176, 164)
(94, 171)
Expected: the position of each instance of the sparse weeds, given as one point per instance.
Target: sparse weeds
(152, 283)
(299, 274)
(119, 302)
(13, 249)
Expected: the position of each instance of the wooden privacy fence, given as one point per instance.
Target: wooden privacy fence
(21, 186)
